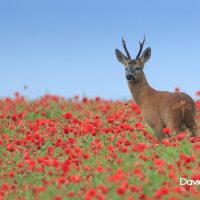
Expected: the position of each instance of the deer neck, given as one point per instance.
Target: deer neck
(140, 89)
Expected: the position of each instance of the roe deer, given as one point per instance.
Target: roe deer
(160, 109)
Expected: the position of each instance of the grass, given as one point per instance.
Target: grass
(52, 148)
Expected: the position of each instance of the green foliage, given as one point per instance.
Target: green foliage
(92, 149)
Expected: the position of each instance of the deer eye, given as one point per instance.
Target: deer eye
(137, 68)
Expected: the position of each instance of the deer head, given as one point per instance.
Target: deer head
(133, 67)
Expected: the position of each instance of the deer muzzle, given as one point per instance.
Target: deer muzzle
(130, 77)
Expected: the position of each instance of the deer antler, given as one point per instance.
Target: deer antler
(126, 50)
(141, 46)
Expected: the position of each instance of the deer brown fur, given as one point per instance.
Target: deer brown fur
(160, 109)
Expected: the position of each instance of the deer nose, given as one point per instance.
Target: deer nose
(130, 77)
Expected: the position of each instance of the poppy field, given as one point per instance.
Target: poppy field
(81, 148)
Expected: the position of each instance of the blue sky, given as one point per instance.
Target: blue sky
(67, 47)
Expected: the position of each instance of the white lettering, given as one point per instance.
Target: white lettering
(196, 182)
(182, 189)
(189, 182)
(184, 181)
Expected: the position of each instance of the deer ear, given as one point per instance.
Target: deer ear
(121, 57)
(146, 55)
